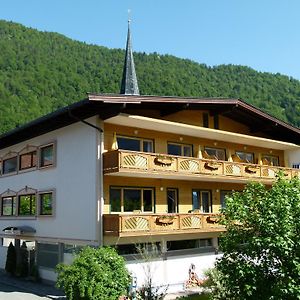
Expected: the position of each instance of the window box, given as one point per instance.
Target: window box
(165, 220)
(163, 160)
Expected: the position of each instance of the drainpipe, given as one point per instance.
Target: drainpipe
(100, 181)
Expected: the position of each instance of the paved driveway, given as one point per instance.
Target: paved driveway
(8, 292)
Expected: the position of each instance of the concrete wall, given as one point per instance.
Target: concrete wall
(173, 271)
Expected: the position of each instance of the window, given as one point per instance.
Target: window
(205, 120)
(202, 201)
(131, 199)
(270, 160)
(46, 204)
(135, 144)
(10, 165)
(172, 200)
(27, 205)
(47, 155)
(296, 165)
(245, 156)
(8, 206)
(28, 160)
(188, 244)
(216, 121)
(139, 248)
(180, 149)
(47, 255)
(218, 153)
(223, 195)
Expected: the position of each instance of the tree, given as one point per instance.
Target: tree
(96, 273)
(261, 245)
(11, 257)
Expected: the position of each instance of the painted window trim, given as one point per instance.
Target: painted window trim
(7, 194)
(47, 191)
(216, 148)
(7, 156)
(141, 139)
(182, 145)
(54, 144)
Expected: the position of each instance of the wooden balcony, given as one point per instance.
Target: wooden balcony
(142, 164)
(124, 225)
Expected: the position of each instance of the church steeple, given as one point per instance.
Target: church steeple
(129, 85)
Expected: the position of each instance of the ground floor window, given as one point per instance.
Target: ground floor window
(189, 244)
(127, 199)
(47, 255)
(139, 248)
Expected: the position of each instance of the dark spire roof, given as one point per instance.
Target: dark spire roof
(129, 85)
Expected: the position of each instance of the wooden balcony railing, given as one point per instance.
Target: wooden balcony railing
(142, 162)
(144, 224)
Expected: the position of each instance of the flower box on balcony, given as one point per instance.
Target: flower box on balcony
(163, 160)
(165, 220)
(212, 166)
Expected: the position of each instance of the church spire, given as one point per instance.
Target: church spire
(129, 85)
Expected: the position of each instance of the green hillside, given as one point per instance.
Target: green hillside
(41, 71)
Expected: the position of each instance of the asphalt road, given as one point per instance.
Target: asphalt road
(8, 292)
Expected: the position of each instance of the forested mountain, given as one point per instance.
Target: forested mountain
(41, 71)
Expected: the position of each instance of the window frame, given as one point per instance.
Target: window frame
(13, 197)
(182, 145)
(32, 166)
(210, 204)
(140, 139)
(31, 195)
(237, 152)
(9, 156)
(40, 151)
(217, 149)
(122, 188)
(264, 156)
(205, 120)
(39, 203)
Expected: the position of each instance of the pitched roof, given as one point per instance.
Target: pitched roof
(106, 106)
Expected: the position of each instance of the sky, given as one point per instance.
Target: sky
(261, 34)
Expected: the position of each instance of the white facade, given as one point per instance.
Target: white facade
(73, 179)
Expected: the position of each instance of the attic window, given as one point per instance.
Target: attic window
(205, 120)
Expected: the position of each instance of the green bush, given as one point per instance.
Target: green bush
(98, 274)
(261, 247)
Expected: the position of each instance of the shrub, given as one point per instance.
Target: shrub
(11, 257)
(96, 273)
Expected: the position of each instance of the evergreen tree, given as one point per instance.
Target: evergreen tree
(10, 265)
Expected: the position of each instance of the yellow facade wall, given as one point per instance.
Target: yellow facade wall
(160, 189)
(161, 139)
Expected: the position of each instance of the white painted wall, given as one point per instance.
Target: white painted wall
(292, 157)
(173, 271)
(74, 181)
